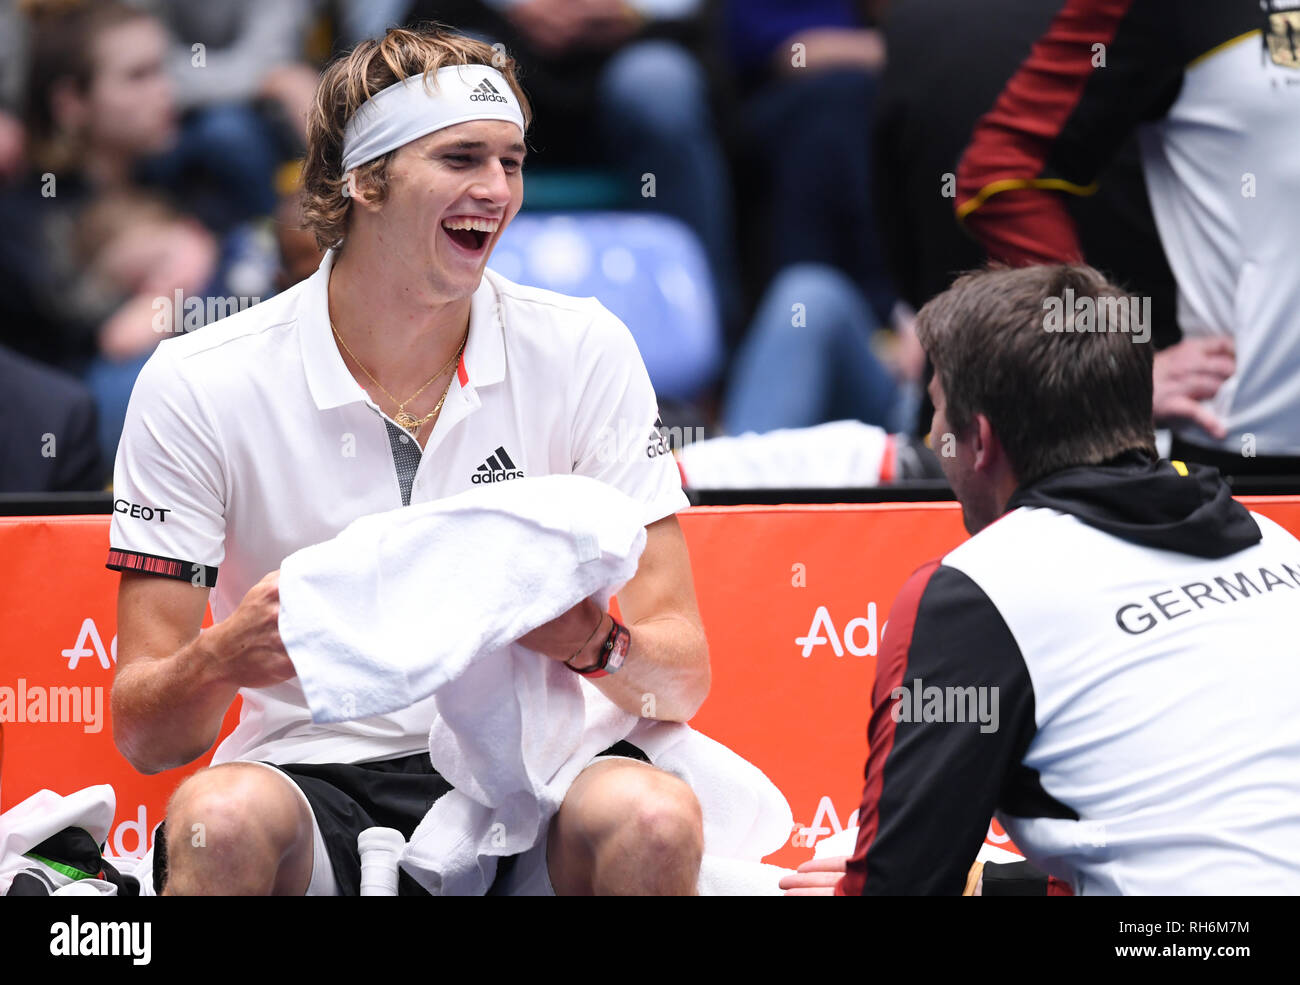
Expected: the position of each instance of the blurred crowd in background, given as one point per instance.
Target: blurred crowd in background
(804, 148)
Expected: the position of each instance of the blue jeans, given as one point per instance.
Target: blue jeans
(801, 366)
(654, 113)
(817, 174)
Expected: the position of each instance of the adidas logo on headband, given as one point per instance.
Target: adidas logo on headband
(407, 110)
(486, 92)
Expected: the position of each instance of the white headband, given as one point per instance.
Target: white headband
(406, 111)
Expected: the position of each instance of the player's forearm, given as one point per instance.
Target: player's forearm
(666, 674)
(168, 711)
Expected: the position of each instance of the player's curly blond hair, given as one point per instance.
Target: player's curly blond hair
(348, 82)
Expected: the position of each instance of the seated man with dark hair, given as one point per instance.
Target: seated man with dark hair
(1111, 666)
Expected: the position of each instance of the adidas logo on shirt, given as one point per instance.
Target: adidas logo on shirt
(497, 468)
(658, 443)
(486, 92)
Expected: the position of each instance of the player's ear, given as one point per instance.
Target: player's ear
(988, 447)
(363, 193)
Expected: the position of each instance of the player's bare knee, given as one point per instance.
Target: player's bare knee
(234, 806)
(661, 814)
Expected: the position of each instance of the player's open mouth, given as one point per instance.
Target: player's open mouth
(470, 233)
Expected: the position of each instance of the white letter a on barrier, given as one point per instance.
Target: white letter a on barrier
(821, 618)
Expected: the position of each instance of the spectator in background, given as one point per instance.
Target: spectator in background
(86, 257)
(935, 87)
(298, 251)
(161, 272)
(97, 101)
(12, 66)
(49, 439)
(12, 141)
(808, 359)
(362, 19)
(1217, 102)
(806, 73)
(620, 83)
(245, 92)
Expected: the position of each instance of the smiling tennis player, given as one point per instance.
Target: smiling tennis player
(401, 372)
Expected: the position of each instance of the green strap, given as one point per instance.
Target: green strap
(67, 870)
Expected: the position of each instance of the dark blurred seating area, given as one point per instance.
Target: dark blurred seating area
(756, 187)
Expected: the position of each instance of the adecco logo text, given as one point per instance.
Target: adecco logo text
(90, 644)
(860, 637)
(825, 822)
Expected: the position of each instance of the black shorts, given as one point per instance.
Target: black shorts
(348, 798)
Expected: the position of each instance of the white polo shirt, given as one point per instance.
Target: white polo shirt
(249, 439)
(1223, 172)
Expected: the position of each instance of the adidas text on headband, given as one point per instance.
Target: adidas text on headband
(408, 110)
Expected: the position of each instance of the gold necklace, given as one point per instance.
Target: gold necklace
(413, 424)
(403, 419)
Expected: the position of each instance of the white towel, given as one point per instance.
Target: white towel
(399, 603)
(46, 813)
(732, 877)
(513, 728)
(841, 843)
(834, 455)
(454, 851)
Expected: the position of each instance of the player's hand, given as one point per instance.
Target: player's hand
(566, 633)
(909, 359)
(1187, 373)
(247, 642)
(816, 877)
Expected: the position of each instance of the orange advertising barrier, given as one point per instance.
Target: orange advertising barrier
(58, 646)
(794, 599)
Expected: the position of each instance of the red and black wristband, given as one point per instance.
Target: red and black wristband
(613, 652)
